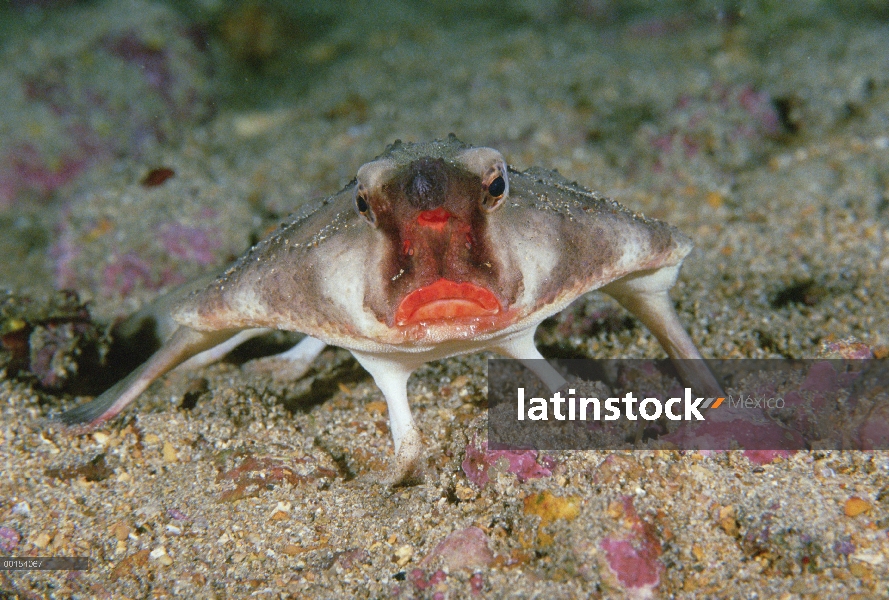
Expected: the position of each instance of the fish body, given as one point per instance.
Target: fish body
(435, 249)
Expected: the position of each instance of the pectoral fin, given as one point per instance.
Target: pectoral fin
(181, 346)
(521, 347)
(646, 295)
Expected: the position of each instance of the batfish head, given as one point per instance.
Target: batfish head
(430, 205)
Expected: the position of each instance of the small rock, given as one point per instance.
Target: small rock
(349, 559)
(9, 539)
(477, 583)
(462, 549)
(633, 556)
(551, 508)
(160, 556)
(281, 511)
(121, 531)
(157, 553)
(856, 506)
(860, 570)
(522, 463)
(125, 566)
(376, 407)
(464, 492)
(844, 547)
(158, 176)
(147, 512)
(177, 515)
(170, 454)
(727, 520)
(848, 349)
(403, 555)
(871, 558)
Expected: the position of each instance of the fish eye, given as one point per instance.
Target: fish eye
(363, 207)
(495, 191)
(497, 187)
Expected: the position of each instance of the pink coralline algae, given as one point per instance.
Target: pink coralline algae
(858, 421)
(177, 515)
(462, 549)
(765, 457)
(165, 259)
(92, 84)
(9, 539)
(128, 271)
(729, 427)
(351, 558)
(27, 169)
(874, 433)
(477, 583)
(825, 403)
(522, 463)
(129, 242)
(731, 123)
(420, 580)
(151, 60)
(633, 557)
(850, 349)
(193, 244)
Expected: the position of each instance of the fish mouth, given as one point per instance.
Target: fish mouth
(446, 300)
(434, 219)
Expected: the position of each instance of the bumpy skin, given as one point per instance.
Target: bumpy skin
(334, 276)
(436, 249)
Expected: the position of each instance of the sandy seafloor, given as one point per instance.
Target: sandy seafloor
(760, 130)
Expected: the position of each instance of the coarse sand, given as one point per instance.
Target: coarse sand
(761, 131)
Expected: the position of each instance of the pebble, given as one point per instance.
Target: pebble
(403, 555)
(855, 506)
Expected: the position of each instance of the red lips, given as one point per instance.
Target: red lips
(435, 219)
(445, 300)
